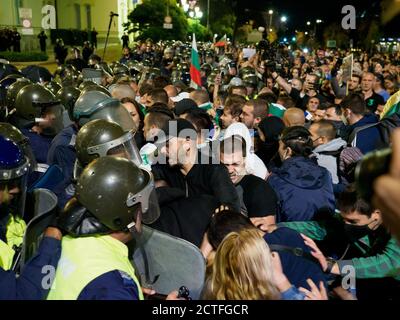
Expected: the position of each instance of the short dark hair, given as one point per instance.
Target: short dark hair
(355, 102)
(159, 116)
(338, 109)
(233, 143)
(161, 82)
(349, 201)
(145, 89)
(200, 96)
(200, 119)
(260, 108)
(325, 128)
(355, 75)
(298, 139)
(159, 95)
(234, 104)
(225, 222)
(268, 97)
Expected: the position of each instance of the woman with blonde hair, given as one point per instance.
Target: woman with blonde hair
(242, 269)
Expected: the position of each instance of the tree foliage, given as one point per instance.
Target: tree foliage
(148, 19)
(335, 32)
(202, 34)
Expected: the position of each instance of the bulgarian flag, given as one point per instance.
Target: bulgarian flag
(392, 106)
(195, 77)
(221, 42)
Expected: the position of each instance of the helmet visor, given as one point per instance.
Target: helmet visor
(148, 201)
(124, 147)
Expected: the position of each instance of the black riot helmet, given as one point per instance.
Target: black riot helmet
(13, 91)
(112, 194)
(37, 105)
(99, 138)
(53, 86)
(67, 97)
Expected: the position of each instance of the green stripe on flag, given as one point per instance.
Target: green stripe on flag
(195, 59)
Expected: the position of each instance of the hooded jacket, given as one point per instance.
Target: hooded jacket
(367, 139)
(303, 189)
(330, 162)
(254, 164)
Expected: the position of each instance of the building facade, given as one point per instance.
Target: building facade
(69, 14)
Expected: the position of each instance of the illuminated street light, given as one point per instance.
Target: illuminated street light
(308, 23)
(319, 21)
(271, 12)
(306, 33)
(283, 18)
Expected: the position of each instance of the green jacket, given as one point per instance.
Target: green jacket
(379, 253)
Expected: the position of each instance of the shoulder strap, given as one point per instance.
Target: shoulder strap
(357, 130)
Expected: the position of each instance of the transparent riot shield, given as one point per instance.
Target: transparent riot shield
(165, 263)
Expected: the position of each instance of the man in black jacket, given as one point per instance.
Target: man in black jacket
(184, 171)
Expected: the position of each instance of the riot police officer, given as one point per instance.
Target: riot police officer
(112, 199)
(14, 169)
(39, 116)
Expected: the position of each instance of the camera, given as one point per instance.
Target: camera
(371, 166)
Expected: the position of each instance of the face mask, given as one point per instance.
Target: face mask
(355, 233)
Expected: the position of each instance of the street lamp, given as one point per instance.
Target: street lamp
(318, 21)
(198, 13)
(308, 23)
(283, 18)
(270, 12)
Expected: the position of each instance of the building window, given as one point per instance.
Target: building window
(88, 16)
(78, 15)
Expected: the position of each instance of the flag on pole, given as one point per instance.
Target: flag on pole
(221, 42)
(195, 77)
(392, 106)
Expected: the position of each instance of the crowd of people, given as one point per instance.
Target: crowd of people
(10, 40)
(257, 167)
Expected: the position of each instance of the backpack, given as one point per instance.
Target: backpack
(385, 127)
(347, 159)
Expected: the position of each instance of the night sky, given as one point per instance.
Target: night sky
(299, 12)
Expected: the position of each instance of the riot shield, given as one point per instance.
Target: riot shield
(165, 263)
(45, 203)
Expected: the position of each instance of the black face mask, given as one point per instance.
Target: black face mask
(355, 233)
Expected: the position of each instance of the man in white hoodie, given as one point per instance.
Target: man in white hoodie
(254, 164)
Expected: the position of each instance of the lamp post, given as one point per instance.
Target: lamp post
(318, 21)
(208, 14)
(270, 12)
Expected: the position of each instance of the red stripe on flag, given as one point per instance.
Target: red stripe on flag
(195, 75)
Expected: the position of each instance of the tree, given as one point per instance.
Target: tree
(202, 34)
(148, 19)
(335, 32)
(222, 16)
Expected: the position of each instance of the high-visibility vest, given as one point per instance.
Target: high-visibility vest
(16, 227)
(85, 259)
